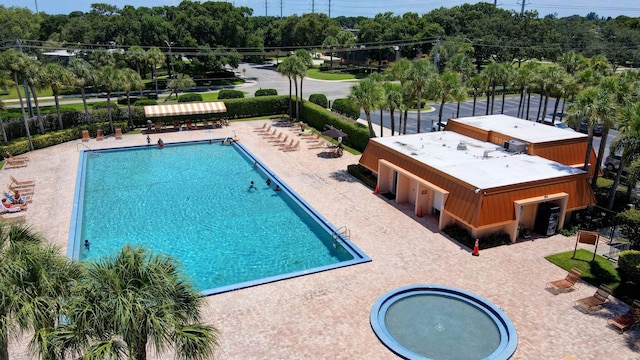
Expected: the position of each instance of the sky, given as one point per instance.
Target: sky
(368, 8)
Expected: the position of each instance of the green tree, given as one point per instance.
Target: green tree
(367, 95)
(399, 71)
(180, 82)
(131, 302)
(84, 74)
(306, 62)
(57, 76)
(447, 85)
(627, 143)
(475, 84)
(129, 81)
(16, 63)
(35, 281)
(330, 43)
(34, 73)
(393, 101)
(136, 56)
(110, 79)
(492, 74)
(287, 68)
(154, 58)
(422, 75)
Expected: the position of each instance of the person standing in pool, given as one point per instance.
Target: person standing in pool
(268, 182)
(252, 186)
(87, 245)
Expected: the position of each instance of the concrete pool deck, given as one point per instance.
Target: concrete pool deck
(326, 315)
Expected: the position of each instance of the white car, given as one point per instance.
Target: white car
(441, 127)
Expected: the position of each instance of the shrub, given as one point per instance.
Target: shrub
(629, 224)
(319, 118)
(344, 107)
(460, 234)
(123, 100)
(103, 105)
(145, 102)
(190, 97)
(230, 94)
(319, 99)
(629, 265)
(363, 174)
(265, 92)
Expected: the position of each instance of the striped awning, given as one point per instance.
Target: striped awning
(184, 109)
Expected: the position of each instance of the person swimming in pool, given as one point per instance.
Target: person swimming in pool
(87, 245)
(268, 182)
(277, 188)
(252, 186)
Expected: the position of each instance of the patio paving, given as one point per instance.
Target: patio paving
(326, 315)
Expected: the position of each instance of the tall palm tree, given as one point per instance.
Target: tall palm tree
(462, 64)
(306, 62)
(367, 94)
(572, 62)
(628, 144)
(554, 76)
(399, 71)
(35, 281)
(507, 72)
(34, 74)
(446, 86)
(379, 79)
(132, 302)
(110, 79)
(593, 106)
(422, 75)
(84, 74)
(393, 100)
(57, 77)
(475, 83)
(155, 58)
(16, 62)
(491, 74)
(286, 68)
(130, 80)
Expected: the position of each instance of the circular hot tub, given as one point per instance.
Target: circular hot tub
(440, 322)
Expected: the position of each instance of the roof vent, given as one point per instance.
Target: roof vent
(485, 155)
(462, 146)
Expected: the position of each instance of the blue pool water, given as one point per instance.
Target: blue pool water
(192, 201)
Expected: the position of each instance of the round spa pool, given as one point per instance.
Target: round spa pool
(440, 322)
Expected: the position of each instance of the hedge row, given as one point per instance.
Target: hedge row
(318, 117)
(460, 234)
(344, 107)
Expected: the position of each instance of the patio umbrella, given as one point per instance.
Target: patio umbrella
(334, 133)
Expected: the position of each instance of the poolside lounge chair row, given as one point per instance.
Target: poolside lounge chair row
(278, 138)
(100, 135)
(15, 161)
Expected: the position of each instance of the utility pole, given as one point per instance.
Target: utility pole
(26, 87)
(329, 9)
(170, 58)
(265, 7)
(522, 9)
(37, 12)
(280, 9)
(313, 6)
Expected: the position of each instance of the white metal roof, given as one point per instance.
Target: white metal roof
(525, 130)
(482, 164)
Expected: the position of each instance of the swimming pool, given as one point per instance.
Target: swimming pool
(192, 201)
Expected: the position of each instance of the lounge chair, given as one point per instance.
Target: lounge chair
(23, 191)
(628, 320)
(24, 198)
(568, 283)
(85, 135)
(263, 128)
(293, 147)
(25, 183)
(595, 302)
(118, 134)
(8, 163)
(99, 135)
(17, 158)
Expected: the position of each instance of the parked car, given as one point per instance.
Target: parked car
(557, 123)
(597, 130)
(442, 125)
(612, 163)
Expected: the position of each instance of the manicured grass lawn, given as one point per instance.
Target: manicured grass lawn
(597, 272)
(50, 109)
(13, 95)
(317, 74)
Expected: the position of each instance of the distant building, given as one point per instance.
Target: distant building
(62, 56)
(487, 174)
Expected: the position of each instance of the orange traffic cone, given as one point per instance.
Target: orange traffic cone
(376, 191)
(476, 249)
(419, 212)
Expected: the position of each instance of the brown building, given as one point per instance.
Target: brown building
(487, 174)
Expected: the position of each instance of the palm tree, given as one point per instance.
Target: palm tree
(179, 82)
(393, 100)
(130, 80)
(448, 84)
(462, 64)
(155, 58)
(286, 68)
(34, 74)
(84, 75)
(57, 77)
(367, 94)
(5, 82)
(422, 75)
(507, 72)
(475, 83)
(132, 302)
(628, 144)
(35, 281)
(306, 62)
(379, 79)
(16, 62)
(491, 74)
(399, 71)
(110, 79)
(593, 106)
(554, 76)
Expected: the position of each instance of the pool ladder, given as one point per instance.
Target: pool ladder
(343, 231)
